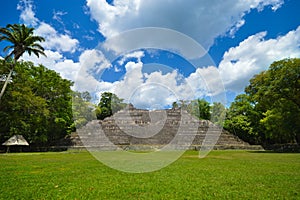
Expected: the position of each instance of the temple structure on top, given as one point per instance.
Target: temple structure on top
(138, 129)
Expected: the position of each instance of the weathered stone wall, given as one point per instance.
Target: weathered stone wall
(142, 129)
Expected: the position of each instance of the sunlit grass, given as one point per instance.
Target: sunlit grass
(221, 175)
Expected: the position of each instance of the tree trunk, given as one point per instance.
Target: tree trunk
(298, 138)
(6, 82)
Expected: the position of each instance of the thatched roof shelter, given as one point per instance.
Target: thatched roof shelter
(18, 140)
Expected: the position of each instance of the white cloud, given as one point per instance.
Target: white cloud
(132, 79)
(94, 60)
(90, 62)
(157, 90)
(206, 81)
(27, 14)
(67, 68)
(238, 66)
(55, 43)
(57, 15)
(237, 26)
(152, 89)
(153, 38)
(53, 40)
(136, 54)
(254, 55)
(202, 20)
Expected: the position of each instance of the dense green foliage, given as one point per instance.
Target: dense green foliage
(220, 175)
(83, 109)
(218, 113)
(269, 111)
(108, 105)
(37, 104)
(243, 120)
(203, 110)
(199, 108)
(22, 40)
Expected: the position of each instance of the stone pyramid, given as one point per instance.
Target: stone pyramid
(137, 129)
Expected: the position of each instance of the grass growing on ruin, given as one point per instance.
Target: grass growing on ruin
(221, 175)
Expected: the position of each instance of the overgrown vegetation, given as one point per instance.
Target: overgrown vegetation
(108, 105)
(269, 111)
(37, 103)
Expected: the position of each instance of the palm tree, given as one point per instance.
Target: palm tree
(22, 40)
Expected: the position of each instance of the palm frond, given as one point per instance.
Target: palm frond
(23, 39)
(37, 46)
(38, 53)
(7, 35)
(8, 47)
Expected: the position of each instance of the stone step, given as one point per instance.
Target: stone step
(167, 126)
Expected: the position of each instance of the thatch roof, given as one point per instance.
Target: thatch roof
(16, 140)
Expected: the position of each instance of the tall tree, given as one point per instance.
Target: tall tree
(199, 108)
(218, 113)
(269, 112)
(83, 110)
(175, 105)
(23, 40)
(276, 93)
(243, 120)
(38, 105)
(108, 105)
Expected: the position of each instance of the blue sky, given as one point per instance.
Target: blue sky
(154, 52)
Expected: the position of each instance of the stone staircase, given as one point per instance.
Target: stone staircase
(136, 129)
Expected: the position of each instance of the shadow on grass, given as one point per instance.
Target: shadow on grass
(280, 148)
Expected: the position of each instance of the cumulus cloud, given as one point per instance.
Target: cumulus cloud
(92, 64)
(54, 40)
(206, 81)
(239, 64)
(201, 20)
(86, 72)
(254, 55)
(93, 61)
(67, 68)
(27, 14)
(135, 54)
(153, 38)
(150, 90)
(55, 43)
(157, 89)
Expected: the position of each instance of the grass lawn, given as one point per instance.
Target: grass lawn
(221, 175)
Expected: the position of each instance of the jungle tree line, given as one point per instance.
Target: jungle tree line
(37, 102)
(200, 108)
(269, 110)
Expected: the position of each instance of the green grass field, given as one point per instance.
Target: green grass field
(221, 175)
